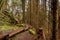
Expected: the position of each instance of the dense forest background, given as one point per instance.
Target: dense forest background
(37, 13)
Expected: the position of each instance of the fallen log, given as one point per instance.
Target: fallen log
(4, 36)
(20, 30)
(16, 32)
(8, 36)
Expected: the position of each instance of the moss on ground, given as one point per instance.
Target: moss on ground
(9, 27)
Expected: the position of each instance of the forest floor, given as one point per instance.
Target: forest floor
(26, 35)
(21, 36)
(8, 27)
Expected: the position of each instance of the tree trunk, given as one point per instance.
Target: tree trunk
(54, 13)
(23, 9)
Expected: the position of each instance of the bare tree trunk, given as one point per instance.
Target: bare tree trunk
(54, 13)
(23, 8)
